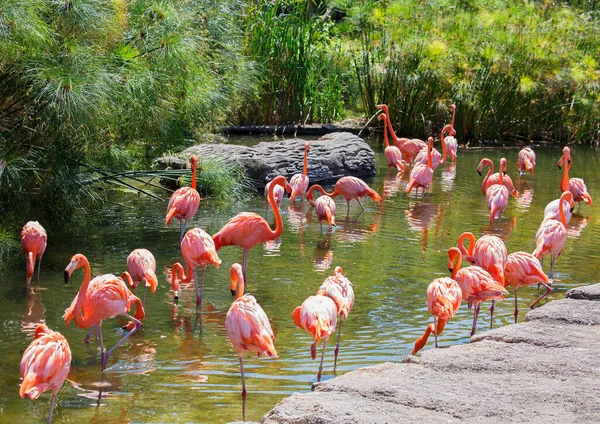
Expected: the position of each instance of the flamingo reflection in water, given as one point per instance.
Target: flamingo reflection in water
(297, 220)
(526, 189)
(323, 255)
(576, 226)
(419, 216)
(34, 311)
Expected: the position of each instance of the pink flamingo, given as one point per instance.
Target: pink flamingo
(443, 300)
(409, 147)
(450, 141)
(324, 208)
(338, 288)
(551, 210)
(348, 187)
(247, 326)
(393, 155)
(184, 202)
(574, 185)
(33, 242)
(299, 182)
(247, 229)
(278, 192)
(421, 175)
(318, 316)
(526, 161)
(198, 250)
(141, 267)
(488, 252)
(496, 197)
(476, 283)
(45, 365)
(552, 235)
(491, 179)
(106, 296)
(524, 269)
(436, 158)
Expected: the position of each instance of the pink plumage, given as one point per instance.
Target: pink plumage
(421, 175)
(33, 242)
(575, 185)
(45, 365)
(408, 147)
(325, 209)
(491, 178)
(141, 266)
(497, 200)
(348, 187)
(185, 201)
(278, 193)
(339, 288)
(526, 160)
(318, 316)
(524, 269)
(299, 182)
(551, 210)
(451, 147)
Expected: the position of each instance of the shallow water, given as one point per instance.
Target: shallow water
(181, 367)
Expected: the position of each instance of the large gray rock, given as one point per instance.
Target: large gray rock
(543, 370)
(331, 157)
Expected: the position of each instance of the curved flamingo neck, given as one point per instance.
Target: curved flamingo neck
(564, 182)
(80, 320)
(193, 174)
(237, 281)
(449, 129)
(561, 213)
(305, 171)
(500, 173)
(490, 165)
(453, 107)
(429, 158)
(310, 196)
(461, 243)
(385, 137)
(126, 276)
(458, 259)
(392, 133)
(280, 180)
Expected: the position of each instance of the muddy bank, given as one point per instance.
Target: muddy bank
(542, 370)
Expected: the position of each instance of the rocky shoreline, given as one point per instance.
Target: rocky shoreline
(542, 370)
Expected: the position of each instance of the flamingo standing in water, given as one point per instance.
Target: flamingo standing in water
(278, 192)
(574, 185)
(551, 210)
(33, 242)
(299, 182)
(45, 365)
(141, 267)
(491, 178)
(488, 252)
(496, 196)
(476, 283)
(552, 234)
(324, 208)
(248, 229)
(339, 288)
(436, 158)
(198, 250)
(524, 269)
(421, 175)
(393, 155)
(443, 300)
(247, 326)
(450, 141)
(348, 187)
(106, 296)
(184, 202)
(526, 161)
(318, 316)
(409, 147)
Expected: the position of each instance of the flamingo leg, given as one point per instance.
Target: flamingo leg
(199, 292)
(321, 366)
(337, 346)
(182, 230)
(106, 355)
(348, 212)
(144, 299)
(435, 332)
(552, 259)
(243, 389)
(475, 314)
(360, 203)
(101, 339)
(492, 314)
(516, 307)
(321, 222)
(52, 400)
(245, 264)
(548, 290)
(87, 337)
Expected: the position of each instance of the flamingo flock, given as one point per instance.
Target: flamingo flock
(46, 362)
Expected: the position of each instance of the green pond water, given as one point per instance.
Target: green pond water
(181, 367)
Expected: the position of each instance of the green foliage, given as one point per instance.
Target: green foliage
(513, 69)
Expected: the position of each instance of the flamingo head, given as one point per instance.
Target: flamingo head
(338, 271)
(454, 255)
(383, 107)
(567, 196)
(237, 276)
(452, 107)
(503, 163)
(77, 261)
(307, 146)
(430, 144)
(382, 117)
(484, 162)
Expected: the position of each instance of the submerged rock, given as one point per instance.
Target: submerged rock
(331, 157)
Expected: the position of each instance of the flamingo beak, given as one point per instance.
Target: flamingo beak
(450, 269)
(233, 292)
(69, 270)
(479, 172)
(504, 173)
(559, 167)
(572, 209)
